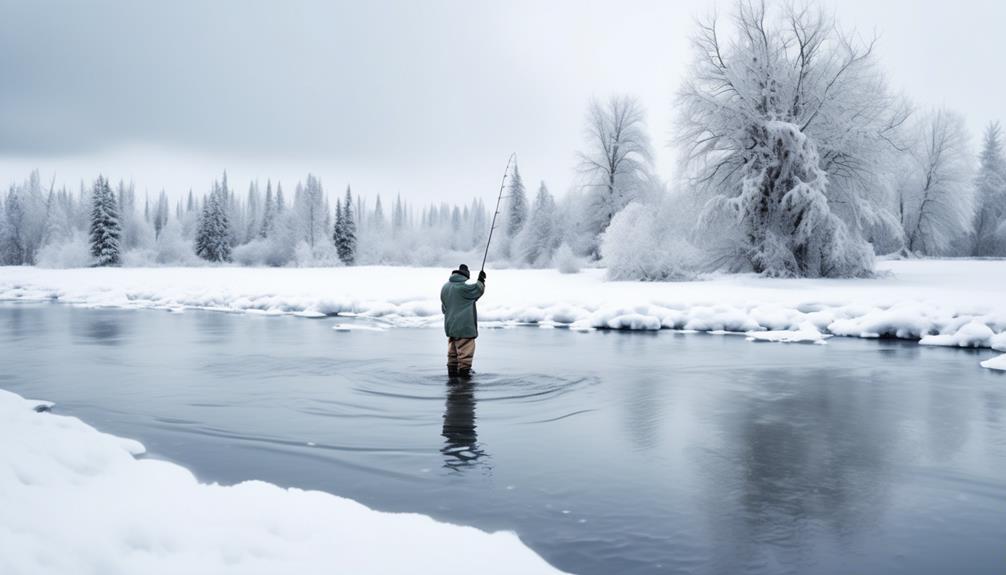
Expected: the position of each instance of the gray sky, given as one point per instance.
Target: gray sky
(422, 98)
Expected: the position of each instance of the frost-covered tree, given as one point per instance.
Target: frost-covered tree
(345, 240)
(539, 239)
(253, 215)
(12, 240)
(213, 234)
(129, 221)
(268, 211)
(397, 216)
(377, 220)
(106, 229)
(640, 246)
(936, 200)
(516, 204)
(337, 230)
(160, 217)
(617, 163)
(990, 190)
(310, 209)
(785, 127)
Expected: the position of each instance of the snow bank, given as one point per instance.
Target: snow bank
(76, 500)
(807, 333)
(941, 302)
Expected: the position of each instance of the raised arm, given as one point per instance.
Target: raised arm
(476, 289)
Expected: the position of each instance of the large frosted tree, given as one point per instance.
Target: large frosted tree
(936, 198)
(990, 190)
(784, 125)
(106, 228)
(617, 162)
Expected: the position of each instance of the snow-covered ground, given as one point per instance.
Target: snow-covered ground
(77, 501)
(940, 302)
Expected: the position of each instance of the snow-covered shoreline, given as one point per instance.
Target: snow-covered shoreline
(76, 500)
(939, 302)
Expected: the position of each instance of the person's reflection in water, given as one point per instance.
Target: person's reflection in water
(461, 449)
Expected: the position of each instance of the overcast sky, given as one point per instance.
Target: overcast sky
(422, 98)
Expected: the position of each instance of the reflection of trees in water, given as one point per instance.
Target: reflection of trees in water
(643, 411)
(643, 393)
(947, 420)
(214, 327)
(803, 451)
(461, 448)
(100, 327)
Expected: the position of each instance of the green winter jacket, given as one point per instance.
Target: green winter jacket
(457, 301)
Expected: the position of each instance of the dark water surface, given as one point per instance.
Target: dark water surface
(606, 452)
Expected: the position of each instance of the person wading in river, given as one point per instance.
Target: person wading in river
(457, 300)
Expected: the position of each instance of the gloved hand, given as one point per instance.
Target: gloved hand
(482, 276)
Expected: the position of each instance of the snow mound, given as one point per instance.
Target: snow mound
(76, 500)
(807, 333)
(971, 334)
(998, 363)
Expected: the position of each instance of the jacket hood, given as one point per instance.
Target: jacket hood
(456, 278)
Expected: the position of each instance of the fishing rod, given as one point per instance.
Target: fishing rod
(497, 212)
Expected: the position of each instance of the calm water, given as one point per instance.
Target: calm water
(605, 452)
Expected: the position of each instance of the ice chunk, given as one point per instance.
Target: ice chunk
(998, 363)
(807, 333)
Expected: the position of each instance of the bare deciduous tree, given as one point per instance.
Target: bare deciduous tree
(618, 160)
(936, 200)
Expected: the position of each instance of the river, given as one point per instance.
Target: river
(606, 452)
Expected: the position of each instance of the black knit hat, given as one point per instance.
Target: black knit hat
(463, 270)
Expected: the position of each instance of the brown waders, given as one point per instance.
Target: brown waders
(460, 353)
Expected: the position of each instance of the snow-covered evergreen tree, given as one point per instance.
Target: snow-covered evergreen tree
(128, 220)
(12, 248)
(160, 217)
(213, 234)
(516, 204)
(346, 238)
(377, 220)
(990, 184)
(537, 242)
(106, 229)
(253, 216)
(337, 231)
(268, 212)
(309, 205)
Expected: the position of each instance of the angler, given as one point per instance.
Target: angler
(457, 301)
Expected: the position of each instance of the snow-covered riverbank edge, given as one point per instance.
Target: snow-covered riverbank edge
(76, 500)
(939, 302)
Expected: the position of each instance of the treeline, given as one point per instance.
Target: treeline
(102, 224)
